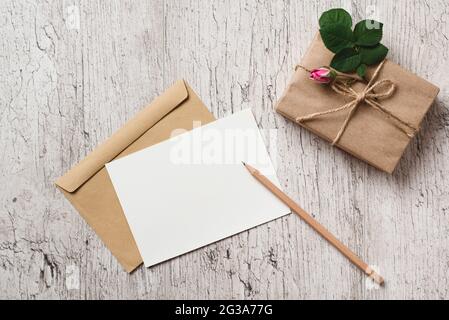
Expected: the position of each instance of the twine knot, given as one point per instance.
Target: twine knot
(373, 92)
(361, 97)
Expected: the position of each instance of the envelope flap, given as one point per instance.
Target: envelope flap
(125, 136)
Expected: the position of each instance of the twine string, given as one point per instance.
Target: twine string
(374, 91)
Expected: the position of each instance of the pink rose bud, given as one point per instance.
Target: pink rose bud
(323, 75)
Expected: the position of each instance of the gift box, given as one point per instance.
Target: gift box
(374, 120)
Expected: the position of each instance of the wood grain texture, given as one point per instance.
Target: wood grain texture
(67, 84)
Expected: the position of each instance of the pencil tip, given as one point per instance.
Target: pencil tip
(244, 163)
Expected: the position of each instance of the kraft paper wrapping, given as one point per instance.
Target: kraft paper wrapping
(370, 135)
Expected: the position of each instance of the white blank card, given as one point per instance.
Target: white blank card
(192, 190)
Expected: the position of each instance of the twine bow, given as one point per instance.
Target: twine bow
(374, 91)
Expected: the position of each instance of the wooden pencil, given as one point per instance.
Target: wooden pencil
(316, 225)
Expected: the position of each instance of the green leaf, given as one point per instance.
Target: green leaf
(337, 37)
(373, 55)
(368, 33)
(361, 70)
(347, 60)
(336, 16)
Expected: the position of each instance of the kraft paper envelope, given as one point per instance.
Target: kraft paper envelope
(88, 186)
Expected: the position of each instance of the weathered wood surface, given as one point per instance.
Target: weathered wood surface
(72, 72)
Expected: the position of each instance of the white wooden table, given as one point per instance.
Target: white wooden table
(72, 72)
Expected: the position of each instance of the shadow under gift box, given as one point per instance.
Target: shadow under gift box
(88, 186)
(370, 135)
